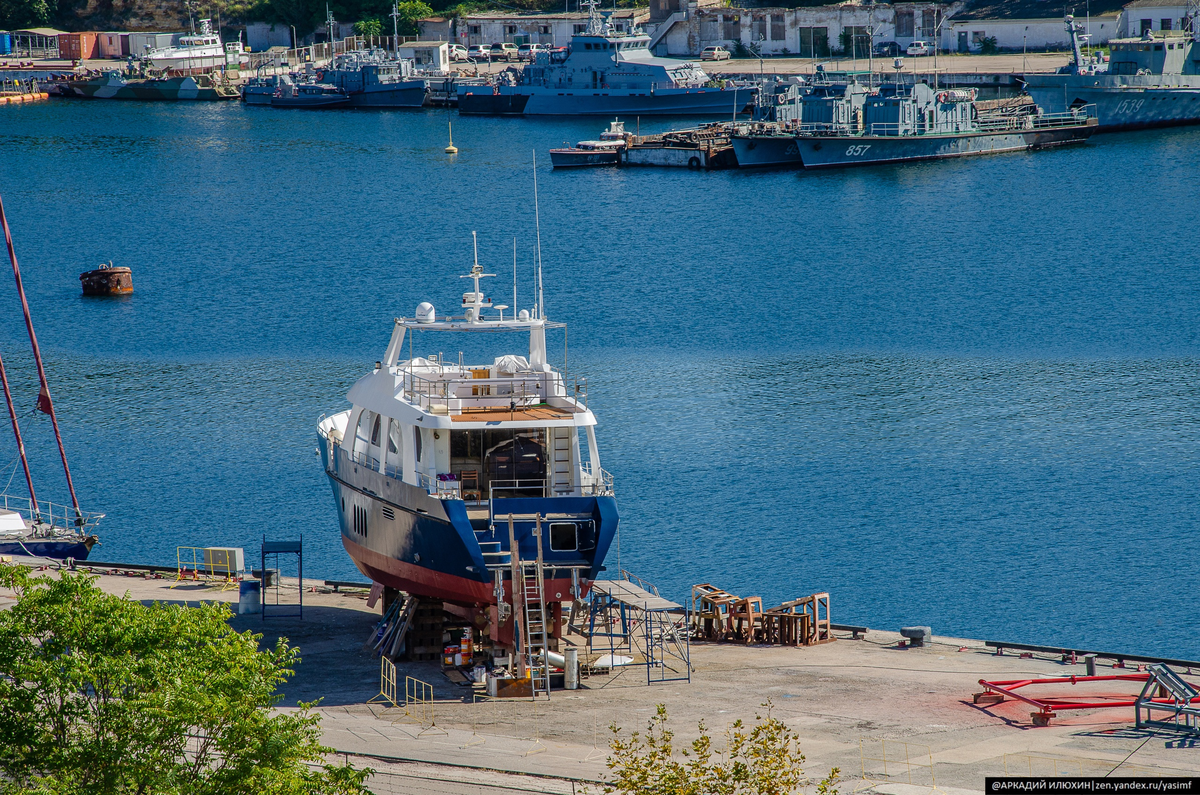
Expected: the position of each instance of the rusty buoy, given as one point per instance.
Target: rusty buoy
(107, 280)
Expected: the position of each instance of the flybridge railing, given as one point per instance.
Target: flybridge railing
(495, 392)
(61, 517)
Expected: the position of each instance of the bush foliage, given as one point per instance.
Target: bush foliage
(102, 694)
(762, 760)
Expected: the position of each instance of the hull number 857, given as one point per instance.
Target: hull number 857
(857, 150)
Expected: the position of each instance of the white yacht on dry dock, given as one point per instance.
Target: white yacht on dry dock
(441, 469)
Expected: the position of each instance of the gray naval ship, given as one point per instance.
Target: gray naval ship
(373, 79)
(1152, 81)
(605, 73)
(846, 125)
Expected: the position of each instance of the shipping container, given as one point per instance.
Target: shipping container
(114, 45)
(5, 43)
(139, 43)
(79, 46)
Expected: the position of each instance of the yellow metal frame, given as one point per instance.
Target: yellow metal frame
(387, 684)
(197, 562)
(418, 705)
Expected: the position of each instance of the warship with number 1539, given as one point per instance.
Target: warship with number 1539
(1151, 81)
(441, 469)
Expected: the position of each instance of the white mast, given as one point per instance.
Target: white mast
(540, 309)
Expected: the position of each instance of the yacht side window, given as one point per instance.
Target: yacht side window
(375, 431)
(417, 443)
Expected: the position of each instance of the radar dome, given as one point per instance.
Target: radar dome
(425, 313)
(523, 315)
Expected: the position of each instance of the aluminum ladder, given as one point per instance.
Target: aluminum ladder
(528, 584)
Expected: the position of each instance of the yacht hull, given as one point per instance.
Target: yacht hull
(534, 101)
(57, 548)
(400, 536)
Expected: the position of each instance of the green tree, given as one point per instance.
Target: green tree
(764, 760)
(368, 27)
(410, 12)
(101, 694)
(16, 14)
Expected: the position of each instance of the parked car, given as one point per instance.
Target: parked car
(715, 53)
(919, 48)
(889, 48)
(506, 51)
(528, 52)
(480, 52)
(458, 52)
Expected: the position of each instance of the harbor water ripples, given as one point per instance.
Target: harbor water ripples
(960, 394)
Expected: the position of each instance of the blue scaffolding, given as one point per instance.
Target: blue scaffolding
(633, 617)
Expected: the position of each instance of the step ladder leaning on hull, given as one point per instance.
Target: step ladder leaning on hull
(529, 585)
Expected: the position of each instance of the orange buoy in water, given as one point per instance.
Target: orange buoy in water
(107, 280)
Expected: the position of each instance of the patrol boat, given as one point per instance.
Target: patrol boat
(439, 468)
(373, 80)
(899, 123)
(604, 73)
(114, 85)
(1152, 81)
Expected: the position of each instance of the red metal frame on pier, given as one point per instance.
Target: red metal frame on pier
(1048, 705)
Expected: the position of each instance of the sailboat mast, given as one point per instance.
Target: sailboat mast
(12, 413)
(44, 401)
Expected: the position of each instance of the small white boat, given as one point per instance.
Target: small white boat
(202, 50)
(605, 152)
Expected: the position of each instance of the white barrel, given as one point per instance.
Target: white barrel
(571, 669)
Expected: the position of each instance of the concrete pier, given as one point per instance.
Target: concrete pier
(851, 702)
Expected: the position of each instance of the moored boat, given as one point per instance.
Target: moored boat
(373, 80)
(605, 152)
(114, 85)
(290, 94)
(855, 126)
(605, 73)
(1151, 81)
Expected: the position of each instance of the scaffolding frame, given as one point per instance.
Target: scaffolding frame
(631, 614)
(275, 549)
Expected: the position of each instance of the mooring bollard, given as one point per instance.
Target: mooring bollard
(1090, 661)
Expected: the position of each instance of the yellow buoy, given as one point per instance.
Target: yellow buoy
(451, 149)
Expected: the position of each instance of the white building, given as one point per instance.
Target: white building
(427, 55)
(848, 29)
(1143, 15)
(555, 30)
(1028, 25)
(1020, 35)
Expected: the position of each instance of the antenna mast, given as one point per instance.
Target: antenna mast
(541, 309)
(514, 278)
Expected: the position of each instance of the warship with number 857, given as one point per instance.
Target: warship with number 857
(441, 470)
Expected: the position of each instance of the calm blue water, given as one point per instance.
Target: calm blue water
(958, 394)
